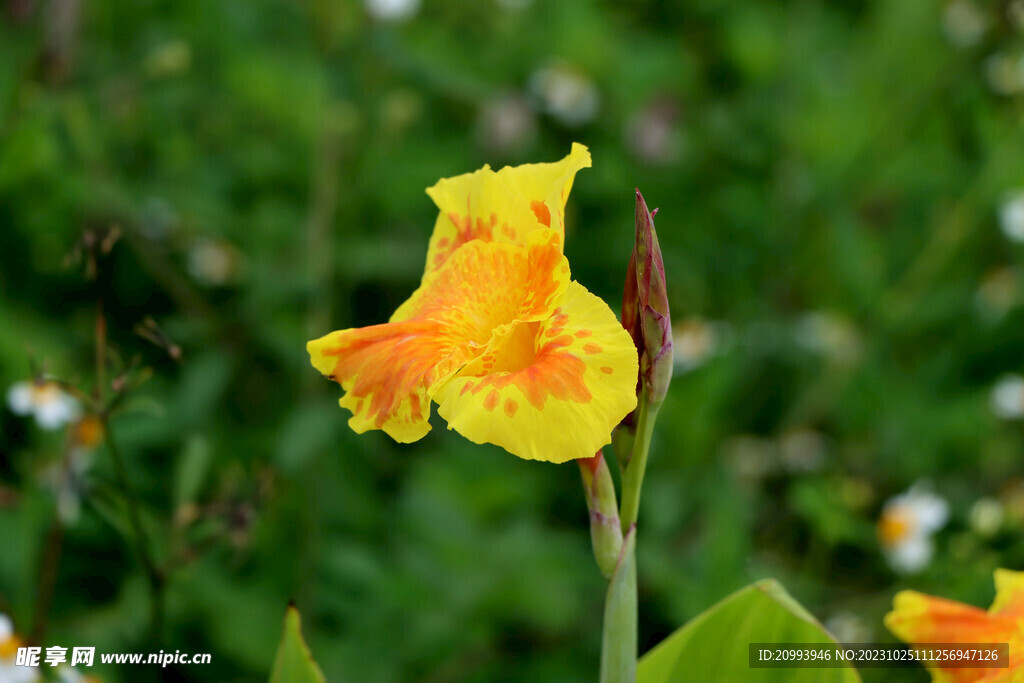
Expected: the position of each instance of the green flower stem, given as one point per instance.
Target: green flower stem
(619, 639)
(633, 473)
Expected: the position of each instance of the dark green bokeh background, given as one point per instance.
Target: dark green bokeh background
(843, 158)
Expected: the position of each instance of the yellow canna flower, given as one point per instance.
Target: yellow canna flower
(502, 206)
(919, 619)
(512, 350)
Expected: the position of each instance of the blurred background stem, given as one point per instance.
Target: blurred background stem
(142, 543)
(157, 582)
(49, 565)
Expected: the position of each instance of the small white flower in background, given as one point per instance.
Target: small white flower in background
(963, 23)
(506, 123)
(6, 629)
(1016, 13)
(997, 293)
(566, 93)
(653, 134)
(214, 262)
(168, 59)
(1011, 217)
(847, 627)
(750, 457)
(1005, 73)
(831, 334)
(694, 341)
(906, 526)
(753, 457)
(986, 516)
(802, 450)
(68, 480)
(51, 406)
(9, 644)
(1007, 398)
(392, 10)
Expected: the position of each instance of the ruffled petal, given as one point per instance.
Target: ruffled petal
(920, 619)
(502, 206)
(1009, 593)
(547, 390)
(390, 372)
(547, 186)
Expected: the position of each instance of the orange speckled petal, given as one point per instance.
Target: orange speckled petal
(387, 372)
(918, 619)
(547, 390)
(502, 206)
(390, 372)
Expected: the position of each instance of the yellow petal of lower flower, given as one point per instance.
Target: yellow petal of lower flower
(547, 390)
(921, 619)
(1009, 593)
(502, 206)
(390, 371)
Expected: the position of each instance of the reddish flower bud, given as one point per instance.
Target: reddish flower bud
(645, 312)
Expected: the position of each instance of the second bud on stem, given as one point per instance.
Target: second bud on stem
(605, 529)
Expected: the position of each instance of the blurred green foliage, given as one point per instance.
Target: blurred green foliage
(829, 177)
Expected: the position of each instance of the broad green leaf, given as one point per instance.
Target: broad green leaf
(713, 646)
(294, 662)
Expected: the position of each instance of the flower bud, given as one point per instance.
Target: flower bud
(645, 312)
(605, 530)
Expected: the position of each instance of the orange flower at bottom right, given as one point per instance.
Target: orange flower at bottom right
(919, 619)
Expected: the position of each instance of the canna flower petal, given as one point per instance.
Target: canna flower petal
(1009, 593)
(502, 206)
(391, 371)
(550, 390)
(920, 619)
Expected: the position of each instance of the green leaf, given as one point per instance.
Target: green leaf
(294, 662)
(192, 469)
(713, 646)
